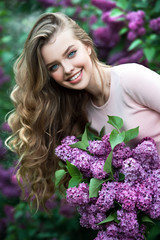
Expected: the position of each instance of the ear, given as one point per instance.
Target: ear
(89, 50)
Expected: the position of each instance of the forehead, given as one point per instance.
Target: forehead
(58, 44)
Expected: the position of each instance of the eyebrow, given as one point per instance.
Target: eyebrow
(66, 51)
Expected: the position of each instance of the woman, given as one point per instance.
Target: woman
(60, 86)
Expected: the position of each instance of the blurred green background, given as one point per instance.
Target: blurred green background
(123, 31)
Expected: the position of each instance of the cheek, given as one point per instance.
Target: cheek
(57, 76)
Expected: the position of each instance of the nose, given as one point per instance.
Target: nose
(68, 67)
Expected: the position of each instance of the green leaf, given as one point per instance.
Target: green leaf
(123, 31)
(147, 219)
(101, 134)
(74, 181)
(116, 138)
(94, 187)
(149, 53)
(135, 44)
(58, 176)
(122, 4)
(131, 134)
(83, 144)
(84, 136)
(110, 218)
(121, 177)
(108, 164)
(115, 121)
(79, 145)
(73, 170)
(116, 12)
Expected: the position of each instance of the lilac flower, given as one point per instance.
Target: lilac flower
(134, 57)
(7, 187)
(128, 223)
(144, 196)
(97, 148)
(97, 167)
(154, 24)
(66, 210)
(64, 152)
(126, 195)
(106, 196)
(5, 127)
(3, 78)
(147, 155)
(120, 153)
(2, 149)
(135, 24)
(69, 140)
(133, 171)
(48, 3)
(91, 219)
(9, 212)
(92, 20)
(82, 162)
(78, 195)
(104, 5)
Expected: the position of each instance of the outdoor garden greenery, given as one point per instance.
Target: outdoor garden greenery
(123, 31)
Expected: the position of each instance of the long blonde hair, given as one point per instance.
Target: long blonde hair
(44, 111)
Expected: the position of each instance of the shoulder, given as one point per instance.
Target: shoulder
(133, 75)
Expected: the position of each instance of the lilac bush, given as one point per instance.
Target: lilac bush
(117, 190)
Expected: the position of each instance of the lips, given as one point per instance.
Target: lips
(75, 76)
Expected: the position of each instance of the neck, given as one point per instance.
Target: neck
(99, 86)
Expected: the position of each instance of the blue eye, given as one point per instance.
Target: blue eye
(53, 68)
(71, 54)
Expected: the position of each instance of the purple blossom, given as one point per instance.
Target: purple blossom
(128, 223)
(133, 171)
(7, 187)
(5, 127)
(106, 196)
(3, 78)
(120, 153)
(154, 24)
(9, 212)
(97, 168)
(66, 210)
(78, 195)
(91, 219)
(82, 162)
(69, 140)
(97, 148)
(147, 155)
(2, 149)
(135, 24)
(92, 20)
(144, 196)
(126, 195)
(104, 5)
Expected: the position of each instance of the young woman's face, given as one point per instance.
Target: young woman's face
(68, 60)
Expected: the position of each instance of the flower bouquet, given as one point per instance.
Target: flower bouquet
(115, 189)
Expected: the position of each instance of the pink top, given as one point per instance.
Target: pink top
(135, 97)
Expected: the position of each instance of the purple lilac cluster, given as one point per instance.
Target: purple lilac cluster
(2, 149)
(3, 78)
(55, 3)
(8, 183)
(106, 37)
(136, 22)
(138, 192)
(154, 24)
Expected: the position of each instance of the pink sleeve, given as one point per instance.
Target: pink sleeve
(142, 84)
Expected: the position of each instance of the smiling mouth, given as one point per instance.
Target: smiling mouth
(75, 76)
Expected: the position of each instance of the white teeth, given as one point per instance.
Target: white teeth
(75, 76)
